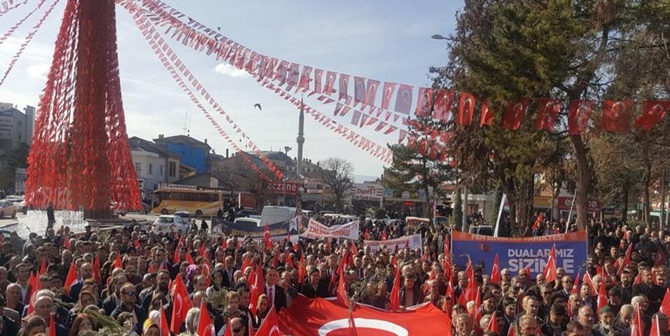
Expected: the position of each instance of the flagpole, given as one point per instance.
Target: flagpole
(572, 205)
(500, 211)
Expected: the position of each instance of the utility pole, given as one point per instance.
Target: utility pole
(663, 191)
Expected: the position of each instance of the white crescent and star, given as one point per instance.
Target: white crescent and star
(381, 325)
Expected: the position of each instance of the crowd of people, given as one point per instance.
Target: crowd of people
(124, 278)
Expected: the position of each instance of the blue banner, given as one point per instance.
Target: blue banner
(520, 253)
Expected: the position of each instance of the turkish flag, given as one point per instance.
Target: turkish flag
(550, 269)
(602, 297)
(514, 114)
(579, 113)
(318, 78)
(305, 78)
(257, 287)
(486, 114)
(71, 278)
(495, 271)
(281, 73)
(359, 90)
(547, 113)
(444, 99)
(466, 108)
(164, 329)
(370, 94)
(117, 261)
(96, 269)
(205, 323)
(293, 75)
(330, 82)
(320, 317)
(653, 111)
(181, 303)
(270, 325)
(626, 259)
(665, 305)
(52, 325)
(403, 101)
(267, 239)
(394, 303)
(425, 100)
(615, 115)
(387, 95)
(343, 86)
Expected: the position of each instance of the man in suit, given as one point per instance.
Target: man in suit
(274, 292)
(314, 287)
(228, 272)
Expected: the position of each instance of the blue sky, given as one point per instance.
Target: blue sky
(382, 40)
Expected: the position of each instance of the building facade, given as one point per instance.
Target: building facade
(191, 152)
(15, 126)
(153, 165)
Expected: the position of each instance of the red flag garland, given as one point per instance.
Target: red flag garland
(615, 115)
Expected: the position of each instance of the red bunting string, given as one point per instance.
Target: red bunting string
(158, 45)
(361, 142)
(49, 175)
(18, 24)
(25, 43)
(80, 156)
(263, 66)
(9, 5)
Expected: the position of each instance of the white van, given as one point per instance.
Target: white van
(248, 221)
(274, 214)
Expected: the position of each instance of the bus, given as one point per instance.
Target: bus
(197, 202)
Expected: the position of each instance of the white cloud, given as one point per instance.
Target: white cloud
(229, 70)
(40, 71)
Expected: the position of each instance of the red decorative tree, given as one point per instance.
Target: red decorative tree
(80, 156)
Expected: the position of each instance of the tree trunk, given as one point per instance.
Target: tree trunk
(458, 210)
(583, 181)
(647, 202)
(624, 209)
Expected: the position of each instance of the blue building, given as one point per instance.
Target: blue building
(191, 152)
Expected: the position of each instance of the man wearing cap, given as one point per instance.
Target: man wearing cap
(605, 321)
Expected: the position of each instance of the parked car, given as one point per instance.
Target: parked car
(7, 208)
(169, 223)
(484, 230)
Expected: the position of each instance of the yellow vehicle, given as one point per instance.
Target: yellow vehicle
(197, 202)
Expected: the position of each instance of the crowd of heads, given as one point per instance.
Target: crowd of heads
(129, 276)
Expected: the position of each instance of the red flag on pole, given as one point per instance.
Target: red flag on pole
(550, 269)
(366, 235)
(181, 304)
(384, 235)
(493, 324)
(665, 305)
(495, 271)
(205, 323)
(33, 288)
(602, 297)
(257, 287)
(270, 325)
(538, 221)
(52, 325)
(165, 329)
(626, 259)
(395, 291)
(117, 261)
(267, 239)
(43, 266)
(71, 278)
(97, 273)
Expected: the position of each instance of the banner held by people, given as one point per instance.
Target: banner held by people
(316, 230)
(414, 242)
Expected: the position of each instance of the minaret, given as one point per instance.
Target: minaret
(301, 137)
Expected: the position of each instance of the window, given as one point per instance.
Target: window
(161, 170)
(172, 169)
(151, 169)
(138, 168)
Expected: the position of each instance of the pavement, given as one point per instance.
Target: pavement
(35, 221)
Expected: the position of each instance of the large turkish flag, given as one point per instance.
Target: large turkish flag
(327, 318)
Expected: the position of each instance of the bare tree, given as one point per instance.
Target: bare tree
(337, 174)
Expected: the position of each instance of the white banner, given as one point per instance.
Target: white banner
(414, 242)
(316, 230)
